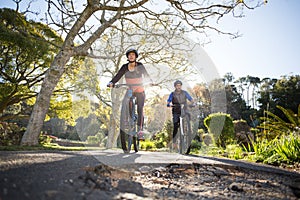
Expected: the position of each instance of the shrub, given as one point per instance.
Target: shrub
(10, 134)
(95, 139)
(162, 138)
(221, 126)
(208, 139)
(243, 135)
(196, 145)
(45, 139)
(148, 145)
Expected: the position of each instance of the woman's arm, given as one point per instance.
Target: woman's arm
(120, 73)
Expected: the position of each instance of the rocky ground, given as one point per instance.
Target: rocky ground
(74, 176)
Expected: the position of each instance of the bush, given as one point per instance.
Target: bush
(45, 139)
(10, 134)
(208, 139)
(148, 145)
(243, 134)
(195, 145)
(221, 126)
(162, 138)
(95, 139)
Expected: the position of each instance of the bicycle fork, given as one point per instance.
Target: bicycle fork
(181, 136)
(133, 118)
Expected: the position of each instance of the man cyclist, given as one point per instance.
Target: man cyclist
(134, 73)
(176, 98)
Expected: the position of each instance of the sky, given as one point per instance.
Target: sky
(269, 46)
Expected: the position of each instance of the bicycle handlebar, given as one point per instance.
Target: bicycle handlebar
(181, 105)
(118, 85)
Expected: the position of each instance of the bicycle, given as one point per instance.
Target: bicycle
(128, 120)
(185, 129)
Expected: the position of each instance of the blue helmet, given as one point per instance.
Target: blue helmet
(177, 82)
(132, 50)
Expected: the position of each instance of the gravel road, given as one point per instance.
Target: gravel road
(110, 174)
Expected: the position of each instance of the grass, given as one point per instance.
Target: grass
(49, 146)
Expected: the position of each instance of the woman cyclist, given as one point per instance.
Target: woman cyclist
(134, 73)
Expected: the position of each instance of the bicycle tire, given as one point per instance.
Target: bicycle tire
(128, 131)
(185, 135)
(135, 144)
(133, 126)
(123, 120)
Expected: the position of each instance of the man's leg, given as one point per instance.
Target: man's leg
(176, 124)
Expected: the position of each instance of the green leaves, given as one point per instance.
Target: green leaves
(288, 148)
(282, 141)
(276, 126)
(26, 52)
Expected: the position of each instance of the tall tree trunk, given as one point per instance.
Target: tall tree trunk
(34, 127)
(112, 133)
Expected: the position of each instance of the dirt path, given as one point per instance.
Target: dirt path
(110, 174)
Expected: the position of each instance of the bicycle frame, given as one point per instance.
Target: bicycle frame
(129, 134)
(128, 112)
(132, 134)
(185, 133)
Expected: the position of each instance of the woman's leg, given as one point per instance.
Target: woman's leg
(140, 107)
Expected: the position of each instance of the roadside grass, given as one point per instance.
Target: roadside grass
(49, 146)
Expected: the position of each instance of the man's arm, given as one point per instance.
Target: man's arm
(188, 96)
(170, 99)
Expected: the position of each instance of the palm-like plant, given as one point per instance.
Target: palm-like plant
(276, 126)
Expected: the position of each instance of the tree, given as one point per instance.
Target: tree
(284, 92)
(105, 17)
(265, 99)
(254, 82)
(26, 51)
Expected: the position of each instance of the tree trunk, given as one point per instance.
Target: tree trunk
(112, 133)
(34, 127)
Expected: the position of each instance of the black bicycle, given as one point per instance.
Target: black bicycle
(128, 120)
(185, 129)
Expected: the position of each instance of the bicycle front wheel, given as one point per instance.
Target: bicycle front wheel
(185, 135)
(124, 124)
